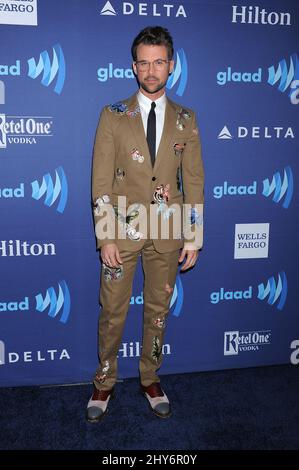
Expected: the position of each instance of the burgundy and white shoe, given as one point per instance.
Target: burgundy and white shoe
(157, 399)
(97, 406)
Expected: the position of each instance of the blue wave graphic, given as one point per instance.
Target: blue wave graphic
(280, 187)
(274, 290)
(284, 74)
(55, 302)
(180, 72)
(178, 297)
(52, 191)
(50, 70)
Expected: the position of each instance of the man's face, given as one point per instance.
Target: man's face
(152, 80)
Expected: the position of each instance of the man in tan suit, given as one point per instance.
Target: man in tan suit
(146, 166)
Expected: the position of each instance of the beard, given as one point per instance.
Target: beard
(154, 88)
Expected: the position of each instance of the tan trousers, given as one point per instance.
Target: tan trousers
(159, 278)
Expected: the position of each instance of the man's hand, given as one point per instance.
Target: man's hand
(192, 256)
(110, 255)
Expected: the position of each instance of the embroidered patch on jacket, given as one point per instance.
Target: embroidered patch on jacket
(133, 112)
(102, 377)
(161, 193)
(136, 155)
(160, 323)
(126, 221)
(118, 108)
(112, 274)
(178, 149)
(120, 173)
(105, 199)
(182, 115)
(161, 196)
(156, 349)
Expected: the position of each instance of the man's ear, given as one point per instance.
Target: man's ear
(171, 66)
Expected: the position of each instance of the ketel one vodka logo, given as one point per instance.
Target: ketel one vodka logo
(23, 129)
(244, 341)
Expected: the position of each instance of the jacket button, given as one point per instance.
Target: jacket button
(154, 178)
(152, 202)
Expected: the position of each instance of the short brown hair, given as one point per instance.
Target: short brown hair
(155, 36)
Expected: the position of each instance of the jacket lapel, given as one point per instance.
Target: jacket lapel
(168, 132)
(136, 126)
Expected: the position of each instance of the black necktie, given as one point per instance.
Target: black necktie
(151, 132)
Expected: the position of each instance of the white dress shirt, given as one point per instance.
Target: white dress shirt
(145, 107)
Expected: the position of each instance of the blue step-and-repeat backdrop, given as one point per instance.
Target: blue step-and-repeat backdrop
(237, 66)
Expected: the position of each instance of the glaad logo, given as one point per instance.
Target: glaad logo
(23, 129)
(229, 76)
(256, 132)
(288, 77)
(32, 356)
(105, 73)
(176, 301)
(281, 188)
(177, 298)
(294, 358)
(51, 190)
(180, 72)
(240, 341)
(55, 302)
(142, 9)
(275, 291)
(50, 70)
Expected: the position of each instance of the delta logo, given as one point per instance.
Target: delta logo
(144, 9)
